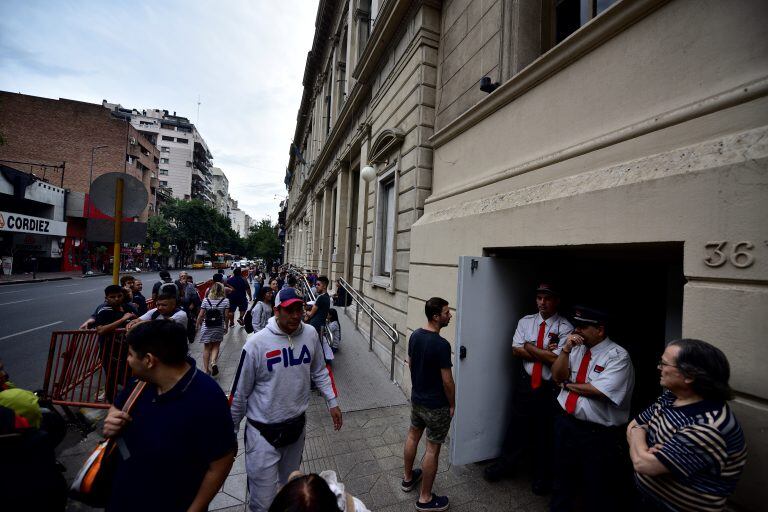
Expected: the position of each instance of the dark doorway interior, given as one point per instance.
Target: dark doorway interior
(639, 285)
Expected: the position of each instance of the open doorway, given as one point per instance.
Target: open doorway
(639, 285)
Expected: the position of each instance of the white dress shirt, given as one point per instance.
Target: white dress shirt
(528, 330)
(610, 370)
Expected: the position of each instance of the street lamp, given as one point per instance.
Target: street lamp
(368, 173)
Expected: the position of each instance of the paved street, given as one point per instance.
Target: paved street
(29, 312)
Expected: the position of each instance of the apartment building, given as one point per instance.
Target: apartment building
(185, 160)
(604, 145)
(220, 187)
(241, 221)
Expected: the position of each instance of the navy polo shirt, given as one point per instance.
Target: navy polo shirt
(171, 442)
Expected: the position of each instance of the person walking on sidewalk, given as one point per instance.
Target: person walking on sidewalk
(178, 443)
(432, 402)
(275, 369)
(213, 324)
(262, 311)
(237, 298)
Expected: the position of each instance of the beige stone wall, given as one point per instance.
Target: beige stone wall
(656, 134)
(469, 50)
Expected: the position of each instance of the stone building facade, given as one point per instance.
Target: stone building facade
(369, 97)
(603, 145)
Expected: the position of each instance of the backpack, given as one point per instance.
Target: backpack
(248, 319)
(168, 288)
(157, 313)
(213, 316)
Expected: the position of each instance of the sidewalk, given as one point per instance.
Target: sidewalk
(39, 277)
(367, 452)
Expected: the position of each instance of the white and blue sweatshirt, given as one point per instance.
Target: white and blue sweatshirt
(274, 383)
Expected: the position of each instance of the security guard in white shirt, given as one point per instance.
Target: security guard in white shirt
(597, 380)
(537, 342)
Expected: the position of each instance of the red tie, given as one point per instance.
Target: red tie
(581, 378)
(536, 374)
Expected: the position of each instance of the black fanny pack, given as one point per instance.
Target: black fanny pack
(283, 433)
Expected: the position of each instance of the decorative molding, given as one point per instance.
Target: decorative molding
(388, 23)
(736, 96)
(596, 32)
(387, 140)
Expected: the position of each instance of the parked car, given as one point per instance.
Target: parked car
(208, 264)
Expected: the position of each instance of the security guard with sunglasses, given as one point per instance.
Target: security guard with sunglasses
(597, 378)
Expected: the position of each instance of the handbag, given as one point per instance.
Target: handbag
(93, 482)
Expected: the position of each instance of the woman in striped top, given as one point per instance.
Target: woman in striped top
(687, 449)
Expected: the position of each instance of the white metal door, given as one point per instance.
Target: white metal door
(492, 296)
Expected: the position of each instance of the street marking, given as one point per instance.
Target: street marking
(15, 291)
(67, 285)
(30, 330)
(15, 302)
(84, 291)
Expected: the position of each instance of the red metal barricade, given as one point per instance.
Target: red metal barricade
(82, 372)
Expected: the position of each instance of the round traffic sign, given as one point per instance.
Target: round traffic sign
(104, 189)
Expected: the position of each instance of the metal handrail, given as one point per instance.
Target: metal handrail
(307, 291)
(390, 331)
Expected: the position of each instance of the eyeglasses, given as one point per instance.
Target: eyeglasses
(664, 363)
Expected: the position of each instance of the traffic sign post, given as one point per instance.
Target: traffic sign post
(119, 186)
(118, 194)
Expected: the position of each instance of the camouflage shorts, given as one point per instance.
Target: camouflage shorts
(436, 421)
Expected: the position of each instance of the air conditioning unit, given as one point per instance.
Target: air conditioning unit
(133, 141)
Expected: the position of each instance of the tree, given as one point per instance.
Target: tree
(262, 241)
(191, 223)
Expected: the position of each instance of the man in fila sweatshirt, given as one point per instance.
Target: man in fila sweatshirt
(272, 391)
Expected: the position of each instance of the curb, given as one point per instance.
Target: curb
(26, 281)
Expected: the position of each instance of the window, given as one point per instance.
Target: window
(385, 217)
(163, 183)
(165, 149)
(567, 16)
(165, 137)
(163, 172)
(167, 126)
(528, 33)
(165, 160)
(183, 141)
(146, 123)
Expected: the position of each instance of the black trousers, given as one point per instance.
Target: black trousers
(590, 462)
(530, 429)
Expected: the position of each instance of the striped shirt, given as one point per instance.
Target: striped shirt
(702, 446)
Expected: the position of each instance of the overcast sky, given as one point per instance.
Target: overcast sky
(244, 59)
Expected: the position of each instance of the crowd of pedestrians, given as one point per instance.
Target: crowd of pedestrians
(569, 418)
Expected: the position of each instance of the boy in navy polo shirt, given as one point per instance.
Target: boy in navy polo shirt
(179, 441)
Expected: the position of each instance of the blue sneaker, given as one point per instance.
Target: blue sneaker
(410, 485)
(438, 503)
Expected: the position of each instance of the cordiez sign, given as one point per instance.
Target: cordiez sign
(18, 223)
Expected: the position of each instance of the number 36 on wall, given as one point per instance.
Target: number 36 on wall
(739, 254)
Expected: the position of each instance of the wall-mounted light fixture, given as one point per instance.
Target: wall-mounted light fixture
(368, 173)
